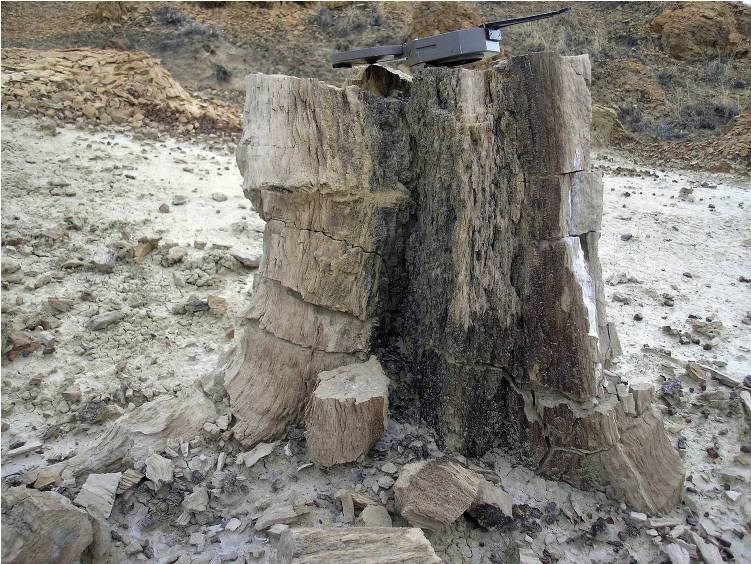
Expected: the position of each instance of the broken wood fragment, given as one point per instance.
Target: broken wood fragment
(361, 545)
(434, 494)
(98, 493)
(348, 412)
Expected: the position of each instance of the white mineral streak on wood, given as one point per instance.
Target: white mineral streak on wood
(578, 265)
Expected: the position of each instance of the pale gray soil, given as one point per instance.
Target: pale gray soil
(68, 196)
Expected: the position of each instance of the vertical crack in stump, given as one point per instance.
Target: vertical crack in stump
(449, 225)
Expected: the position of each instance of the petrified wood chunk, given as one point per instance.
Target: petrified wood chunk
(450, 226)
(433, 494)
(348, 412)
(98, 493)
(361, 545)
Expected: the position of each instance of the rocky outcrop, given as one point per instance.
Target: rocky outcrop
(111, 86)
(43, 527)
(449, 225)
(696, 30)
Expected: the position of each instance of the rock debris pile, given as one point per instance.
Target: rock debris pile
(105, 87)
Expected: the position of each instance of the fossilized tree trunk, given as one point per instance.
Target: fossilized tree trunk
(448, 225)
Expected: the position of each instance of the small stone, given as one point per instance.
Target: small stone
(175, 255)
(104, 261)
(664, 522)
(275, 531)
(58, 182)
(211, 429)
(220, 461)
(183, 519)
(63, 305)
(130, 478)
(677, 554)
(72, 394)
(745, 396)
(527, 556)
(672, 387)
(179, 200)
(233, 524)
(622, 298)
(258, 452)
(9, 266)
(732, 495)
(197, 539)
(201, 463)
(389, 468)
(626, 236)
(197, 501)
(133, 548)
(104, 320)
(144, 247)
(159, 470)
(222, 422)
(217, 305)
(248, 259)
(374, 516)
(284, 513)
(638, 316)
(163, 208)
(195, 305)
(385, 482)
(639, 519)
(219, 197)
(98, 493)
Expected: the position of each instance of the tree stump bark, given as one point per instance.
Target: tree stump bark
(450, 227)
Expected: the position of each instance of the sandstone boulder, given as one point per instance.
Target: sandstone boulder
(607, 130)
(42, 527)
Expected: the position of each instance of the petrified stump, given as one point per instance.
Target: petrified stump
(348, 412)
(448, 225)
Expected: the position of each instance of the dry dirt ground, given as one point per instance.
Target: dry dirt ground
(675, 249)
